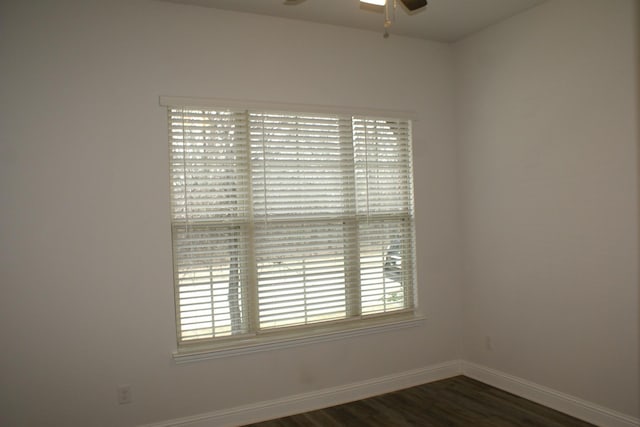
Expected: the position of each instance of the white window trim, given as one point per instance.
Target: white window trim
(275, 340)
(221, 103)
(288, 340)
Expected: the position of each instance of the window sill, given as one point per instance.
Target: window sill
(259, 344)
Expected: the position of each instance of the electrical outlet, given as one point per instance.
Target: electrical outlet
(124, 394)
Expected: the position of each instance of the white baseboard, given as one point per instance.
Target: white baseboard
(316, 399)
(305, 402)
(562, 402)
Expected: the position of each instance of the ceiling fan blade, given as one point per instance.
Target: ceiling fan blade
(292, 2)
(413, 5)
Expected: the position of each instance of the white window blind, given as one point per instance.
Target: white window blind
(285, 220)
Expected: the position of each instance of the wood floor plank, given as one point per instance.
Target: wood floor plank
(455, 402)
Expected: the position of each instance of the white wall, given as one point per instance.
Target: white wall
(546, 127)
(547, 110)
(85, 250)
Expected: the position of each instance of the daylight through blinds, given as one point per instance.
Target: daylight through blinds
(283, 219)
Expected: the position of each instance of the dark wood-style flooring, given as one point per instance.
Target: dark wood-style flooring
(458, 401)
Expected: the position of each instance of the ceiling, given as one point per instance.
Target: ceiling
(441, 20)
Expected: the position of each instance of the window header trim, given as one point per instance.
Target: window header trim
(222, 103)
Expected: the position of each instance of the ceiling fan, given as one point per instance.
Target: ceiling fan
(389, 8)
(411, 5)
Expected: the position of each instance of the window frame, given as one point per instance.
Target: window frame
(292, 335)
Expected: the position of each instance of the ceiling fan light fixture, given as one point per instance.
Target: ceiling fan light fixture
(375, 2)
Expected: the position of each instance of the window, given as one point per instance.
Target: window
(286, 222)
